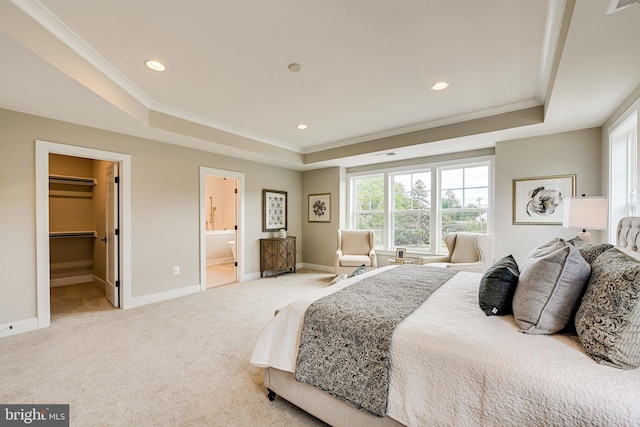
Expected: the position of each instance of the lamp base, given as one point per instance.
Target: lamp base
(585, 236)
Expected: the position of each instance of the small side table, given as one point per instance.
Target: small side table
(393, 261)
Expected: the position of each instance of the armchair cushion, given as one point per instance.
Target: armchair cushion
(355, 260)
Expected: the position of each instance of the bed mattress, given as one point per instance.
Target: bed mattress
(453, 365)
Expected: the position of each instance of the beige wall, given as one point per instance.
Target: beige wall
(575, 152)
(320, 238)
(164, 206)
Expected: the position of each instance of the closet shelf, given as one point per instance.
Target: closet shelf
(71, 186)
(72, 234)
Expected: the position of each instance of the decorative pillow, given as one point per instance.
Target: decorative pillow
(338, 278)
(608, 319)
(497, 286)
(359, 270)
(549, 288)
(576, 241)
(589, 251)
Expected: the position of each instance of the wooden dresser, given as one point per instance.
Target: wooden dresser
(278, 254)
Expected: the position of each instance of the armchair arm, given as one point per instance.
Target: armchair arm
(336, 258)
(430, 259)
(374, 258)
(478, 266)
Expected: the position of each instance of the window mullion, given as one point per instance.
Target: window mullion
(388, 207)
(434, 223)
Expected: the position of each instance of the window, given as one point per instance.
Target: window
(368, 206)
(623, 172)
(412, 208)
(464, 199)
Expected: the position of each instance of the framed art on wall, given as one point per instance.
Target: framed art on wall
(274, 210)
(538, 200)
(320, 207)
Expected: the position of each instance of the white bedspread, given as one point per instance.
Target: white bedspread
(452, 365)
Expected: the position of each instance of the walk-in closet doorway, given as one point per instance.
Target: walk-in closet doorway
(60, 235)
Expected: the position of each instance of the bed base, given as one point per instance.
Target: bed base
(320, 404)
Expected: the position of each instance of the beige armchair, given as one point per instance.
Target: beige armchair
(355, 247)
(467, 251)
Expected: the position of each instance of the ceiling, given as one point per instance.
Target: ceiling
(516, 68)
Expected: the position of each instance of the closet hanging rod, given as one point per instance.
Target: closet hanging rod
(74, 180)
(71, 234)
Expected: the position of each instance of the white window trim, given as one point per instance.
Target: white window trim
(435, 200)
(618, 129)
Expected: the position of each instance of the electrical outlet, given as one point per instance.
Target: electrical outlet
(176, 270)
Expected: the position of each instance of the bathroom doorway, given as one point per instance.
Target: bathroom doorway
(220, 226)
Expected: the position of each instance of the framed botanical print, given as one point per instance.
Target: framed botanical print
(538, 200)
(320, 207)
(274, 210)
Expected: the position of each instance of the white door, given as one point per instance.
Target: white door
(112, 287)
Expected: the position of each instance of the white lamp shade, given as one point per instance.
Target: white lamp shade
(585, 212)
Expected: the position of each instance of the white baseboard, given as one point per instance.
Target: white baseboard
(18, 327)
(251, 276)
(72, 280)
(166, 295)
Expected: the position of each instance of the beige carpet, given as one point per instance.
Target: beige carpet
(182, 362)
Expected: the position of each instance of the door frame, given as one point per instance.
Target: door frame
(204, 171)
(43, 149)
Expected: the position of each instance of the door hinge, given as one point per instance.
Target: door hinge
(235, 190)
(117, 179)
(235, 227)
(117, 283)
(235, 264)
(117, 232)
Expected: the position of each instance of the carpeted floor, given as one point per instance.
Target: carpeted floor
(182, 362)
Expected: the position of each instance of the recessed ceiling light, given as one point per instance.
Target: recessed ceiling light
(302, 126)
(295, 67)
(154, 65)
(440, 86)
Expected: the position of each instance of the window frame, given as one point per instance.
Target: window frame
(622, 168)
(436, 211)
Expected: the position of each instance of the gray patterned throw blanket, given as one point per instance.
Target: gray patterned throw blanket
(345, 339)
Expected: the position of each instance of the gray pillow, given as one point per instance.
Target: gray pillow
(608, 319)
(551, 281)
(497, 286)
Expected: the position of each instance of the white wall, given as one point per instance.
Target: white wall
(575, 152)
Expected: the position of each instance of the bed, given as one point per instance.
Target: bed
(451, 364)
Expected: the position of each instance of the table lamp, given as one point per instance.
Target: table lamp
(586, 213)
